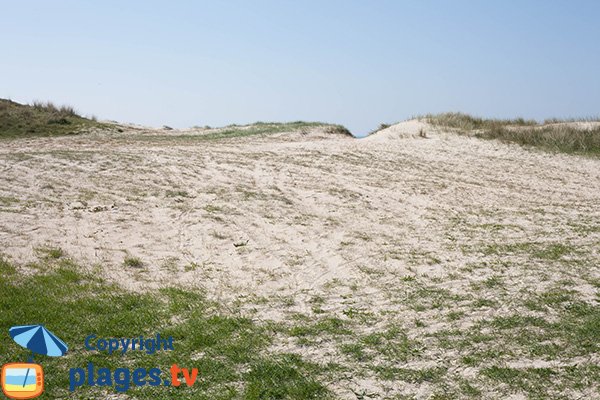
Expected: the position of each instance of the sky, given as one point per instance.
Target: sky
(356, 63)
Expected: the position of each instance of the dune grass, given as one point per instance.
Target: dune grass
(47, 119)
(562, 138)
(268, 128)
(41, 119)
(467, 122)
(257, 129)
(554, 135)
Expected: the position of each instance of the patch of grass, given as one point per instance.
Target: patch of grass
(560, 138)
(554, 251)
(56, 253)
(572, 331)
(256, 129)
(51, 253)
(356, 351)
(171, 264)
(543, 383)
(431, 375)
(552, 298)
(133, 262)
(391, 345)
(8, 201)
(379, 128)
(338, 130)
(331, 326)
(357, 314)
(41, 119)
(467, 122)
(469, 390)
(209, 208)
(371, 270)
(455, 315)
(493, 282)
(191, 267)
(551, 136)
(229, 351)
(542, 251)
(424, 298)
(282, 378)
(177, 193)
(480, 303)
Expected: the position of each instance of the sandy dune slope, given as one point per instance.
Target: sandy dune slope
(397, 228)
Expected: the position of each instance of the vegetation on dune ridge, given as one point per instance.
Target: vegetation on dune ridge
(234, 131)
(553, 134)
(41, 119)
(47, 119)
(266, 128)
(261, 127)
(467, 122)
(381, 127)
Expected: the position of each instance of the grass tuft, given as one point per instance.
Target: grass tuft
(133, 262)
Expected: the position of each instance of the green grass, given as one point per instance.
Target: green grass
(47, 119)
(550, 136)
(432, 375)
(542, 251)
(41, 119)
(307, 332)
(210, 208)
(177, 193)
(507, 349)
(133, 262)
(391, 345)
(426, 297)
(573, 331)
(560, 139)
(51, 252)
(264, 129)
(543, 383)
(381, 127)
(230, 351)
(468, 123)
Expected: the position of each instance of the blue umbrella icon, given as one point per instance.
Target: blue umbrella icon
(38, 339)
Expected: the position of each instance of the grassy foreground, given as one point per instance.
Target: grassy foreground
(553, 135)
(228, 350)
(235, 361)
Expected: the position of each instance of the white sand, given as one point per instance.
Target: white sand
(322, 215)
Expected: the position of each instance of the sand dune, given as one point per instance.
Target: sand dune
(380, 226)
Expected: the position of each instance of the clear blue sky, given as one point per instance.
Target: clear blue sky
(358, 63)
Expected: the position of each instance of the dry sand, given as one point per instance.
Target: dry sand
(271, 223)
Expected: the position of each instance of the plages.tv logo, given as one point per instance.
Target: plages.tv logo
(26, 380)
